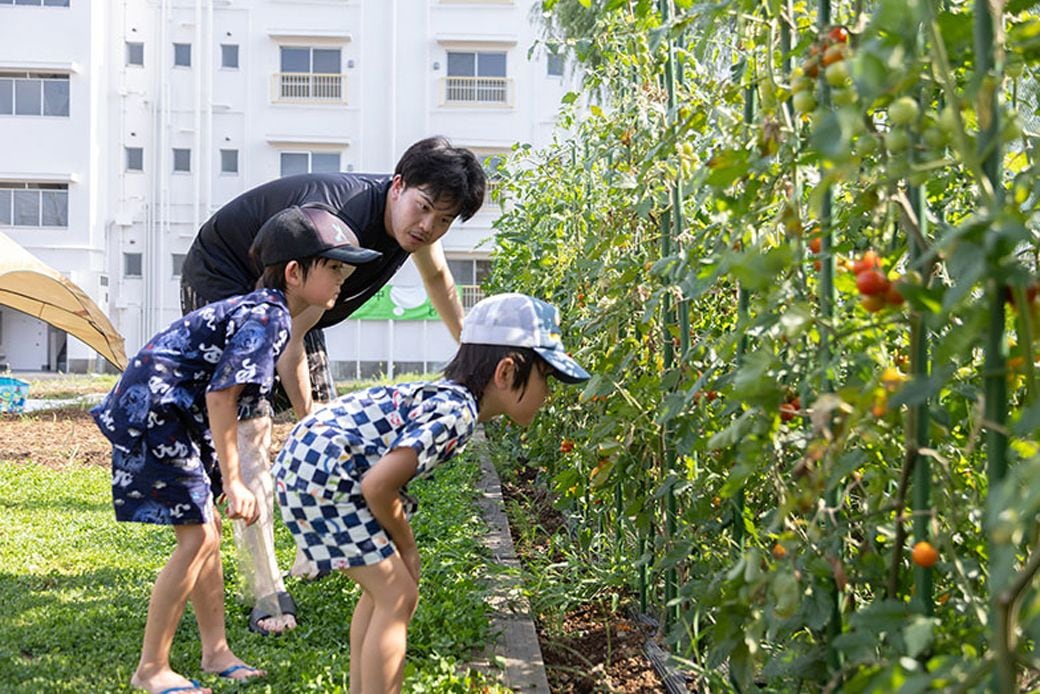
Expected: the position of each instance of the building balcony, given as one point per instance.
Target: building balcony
(309, 88)
(470, 294)
(477, 91)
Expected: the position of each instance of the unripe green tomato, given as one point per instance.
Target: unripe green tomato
(934, 137)
(837, 74)
(948, 121)
(903, 111)
(843, 97)
(801, 84)
(804, 102)
(1015, 66)
(897, 140)
(867, 144)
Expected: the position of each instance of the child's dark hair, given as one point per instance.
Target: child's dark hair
(474, 366)
(447, 173)
(273, 276)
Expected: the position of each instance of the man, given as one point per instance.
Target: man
(401, 215)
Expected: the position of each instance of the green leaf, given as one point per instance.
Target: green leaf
(569, 98)
(1028, 421)
(918, 635)
(585, 3)
(1017, 6)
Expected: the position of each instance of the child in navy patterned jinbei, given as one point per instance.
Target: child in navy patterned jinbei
(342, 473)
(171, 419)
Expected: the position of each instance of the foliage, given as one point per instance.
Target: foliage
(75, 586)
(766, 444)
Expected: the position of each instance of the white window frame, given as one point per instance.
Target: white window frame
(58, 191)
(126, 53)
(17, 76)
(309, 87)
(228, 172)
(173, 156)
(238, 56)
(177, 44)
(126, 260)
(310, 159)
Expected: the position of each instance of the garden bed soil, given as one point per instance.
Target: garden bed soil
(593, 648)
(68, 435)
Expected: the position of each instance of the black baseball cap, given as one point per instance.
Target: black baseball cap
(304, 232)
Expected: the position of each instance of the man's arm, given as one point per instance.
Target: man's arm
(440, 286)
(292, 364)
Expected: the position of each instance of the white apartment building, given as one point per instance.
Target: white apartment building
(125, 123)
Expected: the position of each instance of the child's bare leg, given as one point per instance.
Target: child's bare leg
(358, 630)
(394, 598)
(166, 606)
(208, 600)
(257, 540)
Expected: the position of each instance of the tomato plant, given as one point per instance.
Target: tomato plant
(858, 414)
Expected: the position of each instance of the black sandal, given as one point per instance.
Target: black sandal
(258, 614)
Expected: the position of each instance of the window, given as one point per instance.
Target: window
(134, 158)
(229, 55)
(134, 53)
(34, 204)
(34, 94)
(311, 74)
(181, 160)
(132, 264)
(554, 65)
(177, 260)
(469, 275)
(309, 162)
(229, 161)
(477, 77)
(182, 54)
(37, 3)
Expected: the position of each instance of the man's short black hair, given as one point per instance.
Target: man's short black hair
(446, 172)
(474, 366)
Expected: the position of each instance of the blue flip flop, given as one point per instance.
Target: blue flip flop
(195, 684)
(229, 672)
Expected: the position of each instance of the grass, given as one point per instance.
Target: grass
(75, 584)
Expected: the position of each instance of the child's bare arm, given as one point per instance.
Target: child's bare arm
(381, 488)
(223, 423)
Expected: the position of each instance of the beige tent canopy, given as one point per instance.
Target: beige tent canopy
(32, 287)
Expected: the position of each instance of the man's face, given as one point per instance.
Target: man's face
(414, 219)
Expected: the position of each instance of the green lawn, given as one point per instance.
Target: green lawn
(74, 586)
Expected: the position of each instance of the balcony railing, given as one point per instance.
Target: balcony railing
(310, 87)
(470, 294)
(478, 90)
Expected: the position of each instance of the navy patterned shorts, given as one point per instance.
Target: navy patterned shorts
(164, 491)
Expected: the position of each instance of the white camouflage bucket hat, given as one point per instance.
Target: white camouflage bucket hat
(518, 320)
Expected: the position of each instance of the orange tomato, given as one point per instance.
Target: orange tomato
(924, 555)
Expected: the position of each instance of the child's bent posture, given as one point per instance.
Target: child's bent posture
(342, 474)
(171, 420)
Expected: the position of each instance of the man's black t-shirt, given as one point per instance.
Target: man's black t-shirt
(218, 265)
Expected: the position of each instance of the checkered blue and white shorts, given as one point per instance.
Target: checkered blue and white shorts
(322, 505)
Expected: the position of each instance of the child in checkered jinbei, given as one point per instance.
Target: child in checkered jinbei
(341, 475)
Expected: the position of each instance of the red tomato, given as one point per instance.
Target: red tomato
(838, 34)
(869, 261)
(872, 283)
